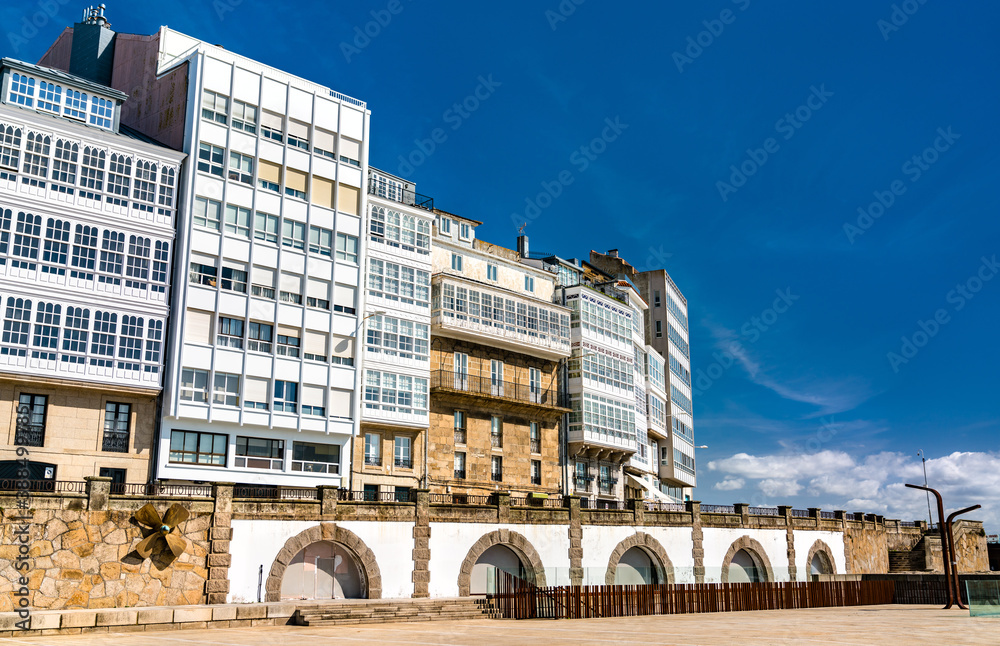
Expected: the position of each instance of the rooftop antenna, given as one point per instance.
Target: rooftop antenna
(95, 16)
(520, 229)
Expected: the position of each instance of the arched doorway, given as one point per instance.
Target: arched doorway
(636, 567)
(323, 570)
(498, 558)
(743, 569)
(820, 559)
(819, 564)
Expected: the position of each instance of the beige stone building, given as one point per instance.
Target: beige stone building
(497, 342)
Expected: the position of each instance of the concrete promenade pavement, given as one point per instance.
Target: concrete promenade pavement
(865, 625)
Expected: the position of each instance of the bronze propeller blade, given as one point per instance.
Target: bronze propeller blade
(148, 516)
(177, 544)
(175, 516)
(145, 546)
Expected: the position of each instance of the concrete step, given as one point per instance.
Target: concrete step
(358, 611)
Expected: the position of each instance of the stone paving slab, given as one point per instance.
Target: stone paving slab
(856, 626)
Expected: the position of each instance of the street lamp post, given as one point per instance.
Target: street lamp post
(923, 458)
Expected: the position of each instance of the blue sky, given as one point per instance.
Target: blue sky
(820, 110)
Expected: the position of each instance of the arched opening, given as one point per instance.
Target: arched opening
(820, 564)
(498, 558)
(743, 568)
(324, 570)
(635, 567)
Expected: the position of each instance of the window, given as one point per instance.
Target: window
(496, 468)
(293, 234)
(116, 427)
(191, 447)
(244, 117)
(207, 213)
(608, 419)
(154, 343)
(227, 389)
(255, 393)
(398, 338)
(400, 230)
(258, 452)
(203, 274)
(659, 329)
(536, 472)
(64, 165)
(318, 293)
(198, 327)
(75, 106)
(291, 289)
(234, 280)
(404, 459)
(316, 458)
(144, 189)
(680, 399)
(269, 176)
(117, 478)
(496, 432)
(10, 147)
(344, 299)
(460, 466)
(119, 175)
(16, 322)
(343, 351)
(238, 220)
(324, 144)
(137, 267)
(491, 272)
(295, 183)
(373, 450)
(101, 112)
(456, 262)
(75, 335)
(230, 332)
(398, 283)
(112, 257)
(678, 340)
(656, 298)
(535, 437)
(535, 385)
(496, 378)
(605, 482)
(464, 231)
(103, 340)
(347, 248)
(214, 106)
(84, 252)
(444, 226)
(395, 393)
(241, 168)
(460, 427)
(259, 337)
(36, 155)
(286, 396)
(265, 227)
(350, 151)
(371, 492)
(49, 97)
(211, 159)
(22, 90)
(581, 480)
(684, 462)
(315, 346)
(288, 345)
(194, 385)
(92, 171)
(529, 284)
(298, 134)
(321, 241)
(27, 237)
(46, 333)
(30, 427)
(272, 126)
(130, 346)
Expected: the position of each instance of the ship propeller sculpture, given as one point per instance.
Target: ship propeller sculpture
(165, 529)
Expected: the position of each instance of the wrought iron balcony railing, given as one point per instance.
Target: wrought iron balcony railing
(115, 442)
(405, 463)
(373, 460)
(30, 436)
(399, 194)
(488, 387)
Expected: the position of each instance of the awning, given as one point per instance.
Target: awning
(653, 491)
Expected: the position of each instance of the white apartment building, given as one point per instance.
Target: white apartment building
(87, 215)
(263, 385)
(390, 454)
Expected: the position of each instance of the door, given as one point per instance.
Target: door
(496, 378)
(461, 371)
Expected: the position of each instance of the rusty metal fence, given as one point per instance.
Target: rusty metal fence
(516, 598)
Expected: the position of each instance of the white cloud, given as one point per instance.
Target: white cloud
(872, 483)
(730, 484)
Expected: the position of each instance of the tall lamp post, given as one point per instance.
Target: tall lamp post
(923, 458)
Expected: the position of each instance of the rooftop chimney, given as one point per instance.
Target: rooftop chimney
(613, 253)
(93, 51)
(522, 245)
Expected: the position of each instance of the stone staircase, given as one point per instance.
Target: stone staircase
(911, 560)
(372, 611)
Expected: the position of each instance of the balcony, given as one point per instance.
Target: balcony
(373, 460)
(536, 446)
(496, 440)
(396, 193)
(460, 474)
(115, 442)
(486, 386)
(404, 463)
(32, 435)
(460, 436)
